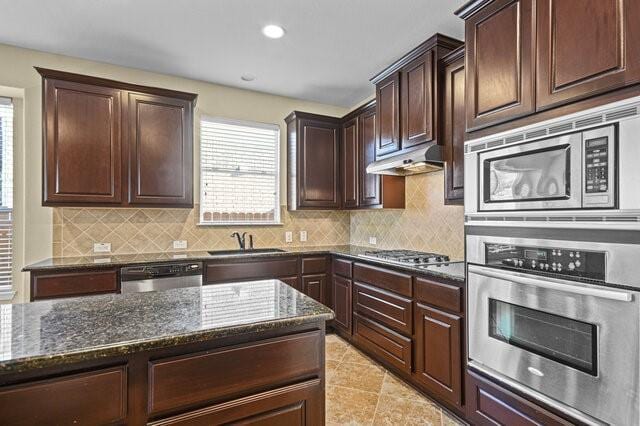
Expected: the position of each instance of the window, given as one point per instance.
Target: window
(6, 195)
(239, 173)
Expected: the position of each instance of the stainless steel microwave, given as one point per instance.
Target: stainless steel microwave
(580, 163)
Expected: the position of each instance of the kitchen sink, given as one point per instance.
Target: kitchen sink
(245, 251)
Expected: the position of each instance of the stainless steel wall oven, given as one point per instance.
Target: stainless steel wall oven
(556, 315)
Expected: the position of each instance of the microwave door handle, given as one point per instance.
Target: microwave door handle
(553, 284)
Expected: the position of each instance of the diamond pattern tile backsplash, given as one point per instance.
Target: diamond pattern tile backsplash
(426, 224)
(154, 230)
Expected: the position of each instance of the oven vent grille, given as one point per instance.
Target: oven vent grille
(623, 113)
(590, 121)
(495, 143)
(577, 219)
(515, 138)
(560, 128)
(536, 134)
(477, 147)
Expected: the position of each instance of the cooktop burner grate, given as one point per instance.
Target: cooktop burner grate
(406, 257)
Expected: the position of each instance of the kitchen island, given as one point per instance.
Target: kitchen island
(200, 355)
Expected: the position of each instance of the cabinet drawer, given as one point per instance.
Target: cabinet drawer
(383, 278)
(299, 404)
(187, 380)
(314, 265)
(445, 296)
(383, 306)
(383, 342)
(253, 269)
(489, 404)
(73, 399)
(342, 267)
(47, 286)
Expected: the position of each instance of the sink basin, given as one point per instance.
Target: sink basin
(247, 251)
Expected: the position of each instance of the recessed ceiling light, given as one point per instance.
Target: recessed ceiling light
(273, 31)
(248, 77)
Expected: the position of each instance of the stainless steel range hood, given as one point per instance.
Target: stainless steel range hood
(423, 160)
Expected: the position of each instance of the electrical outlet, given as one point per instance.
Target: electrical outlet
(303, 236)
(373, 241)
(102, 247)
(288, 237)
(180, 244)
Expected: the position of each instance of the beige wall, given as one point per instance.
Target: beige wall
(213, 100)
(425, 224)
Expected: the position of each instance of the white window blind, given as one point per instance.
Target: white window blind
(239, 172)
(6, 194)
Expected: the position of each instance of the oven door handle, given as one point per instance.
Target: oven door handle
(553, 284)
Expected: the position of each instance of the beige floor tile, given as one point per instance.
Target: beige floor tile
(355, 356)
(393, 386)
(366, 377)
(330, 368)
(448, 420)
(400, 411)
(335, 348)
(349, 406)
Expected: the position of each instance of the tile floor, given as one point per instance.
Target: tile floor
(361, 392)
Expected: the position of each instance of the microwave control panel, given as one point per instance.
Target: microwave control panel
(563, 262)
(597, 165)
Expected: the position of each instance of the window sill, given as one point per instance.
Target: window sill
(231, 224)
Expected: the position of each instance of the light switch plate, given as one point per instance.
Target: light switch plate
(373, 241)
(180, 244)
(288, 237)
(102, 247)
(303, 236)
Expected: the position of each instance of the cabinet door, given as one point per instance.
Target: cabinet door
(439, 360)
(454, 130)
(489, 404)
(583, 51)
(342, 302)
(388, 115)
(318, 163)
(370, 184)
(417, 112)
(160, 151)
(500, 50)
(82, 143)
(350, 163)
(314, 286)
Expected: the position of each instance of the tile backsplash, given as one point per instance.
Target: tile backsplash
(425, 224)
(75, 230)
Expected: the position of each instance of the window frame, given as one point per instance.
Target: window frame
(7, 291)
(277, 220)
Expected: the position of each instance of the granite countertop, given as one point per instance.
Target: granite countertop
(55, 332)
(454, 270)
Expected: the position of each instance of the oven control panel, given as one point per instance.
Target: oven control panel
(564, 262)
(597, 165)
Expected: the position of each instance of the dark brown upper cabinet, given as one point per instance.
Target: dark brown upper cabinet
(453, 112)
(500, 63)
(361, 189)
(350, 167)
(584, 51)
(417, 106)
(388, 113)
(534, 60)
(160, 150)
(313, 159)
(407, 97)
(108, 143)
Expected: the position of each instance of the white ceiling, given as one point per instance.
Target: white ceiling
(330, 50)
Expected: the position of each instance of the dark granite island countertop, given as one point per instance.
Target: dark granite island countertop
(51, 333)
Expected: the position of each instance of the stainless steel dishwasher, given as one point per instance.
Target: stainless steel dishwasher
(135, 279)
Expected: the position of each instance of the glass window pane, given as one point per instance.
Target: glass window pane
(567, 341)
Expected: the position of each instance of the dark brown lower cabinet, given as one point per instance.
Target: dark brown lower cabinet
(390, 347)
(438, 352)
(314, 286)
(342, 303)
(294, 405)
(489, 404)
(49, 285)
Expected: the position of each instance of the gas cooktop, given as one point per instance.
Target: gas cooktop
(406, 257)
